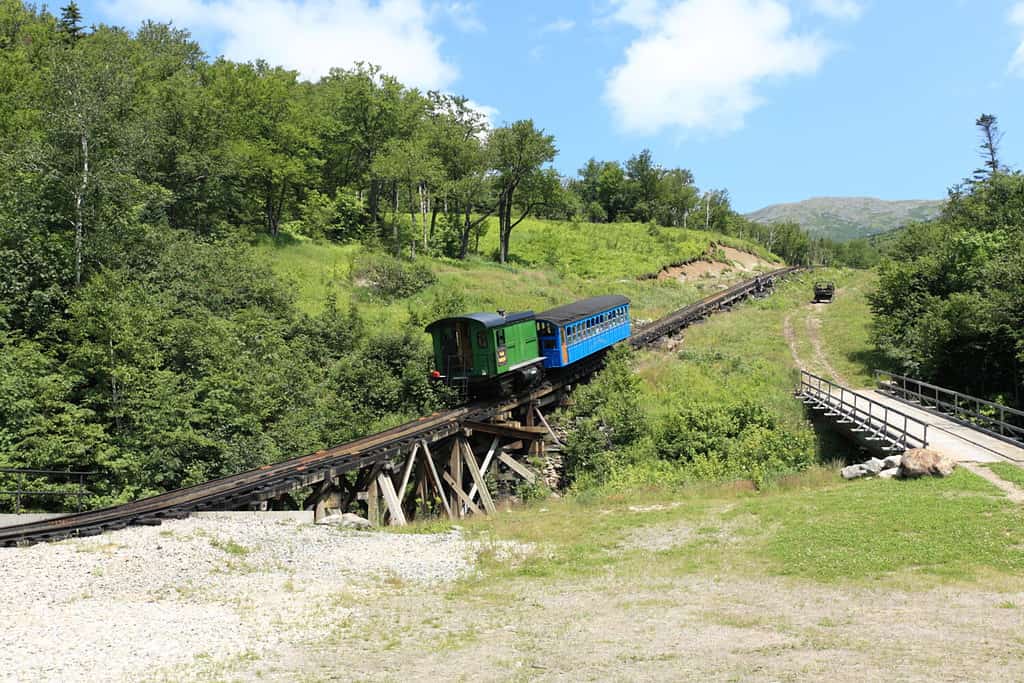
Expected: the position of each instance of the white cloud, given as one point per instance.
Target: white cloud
(311, 36)
(463, 15)
(637, 13)
(559, 26)
(1017, 19)
(697, 64)
(847, 10)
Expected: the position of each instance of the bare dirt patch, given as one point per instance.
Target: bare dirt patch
(745, 260)
(293, 602)
(736, 262)
(694, 271)
(817, 362)
(696, 627)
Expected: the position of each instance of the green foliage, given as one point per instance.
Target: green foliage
(195, 368)
(949, 305)
(621, 250)
(826, 535)
(732, 440)
(606, 416)
(341, 219)
(146, 338)
(389, 277)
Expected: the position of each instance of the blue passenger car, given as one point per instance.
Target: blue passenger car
(574, 331)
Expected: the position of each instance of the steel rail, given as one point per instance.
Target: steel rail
(705, 307)
(267, 481)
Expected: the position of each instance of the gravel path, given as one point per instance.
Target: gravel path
(183, 600)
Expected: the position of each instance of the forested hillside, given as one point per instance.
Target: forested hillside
(845, 218)
(208, 265)
(950, 301)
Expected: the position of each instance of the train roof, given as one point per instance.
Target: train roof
(563, 315)
(488, 320)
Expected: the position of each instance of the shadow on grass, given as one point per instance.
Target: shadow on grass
(871, 360)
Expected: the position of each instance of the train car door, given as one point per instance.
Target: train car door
(463, 344)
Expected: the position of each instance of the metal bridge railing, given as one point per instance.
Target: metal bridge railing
(21, 489)
(992, 418)
(881, 422)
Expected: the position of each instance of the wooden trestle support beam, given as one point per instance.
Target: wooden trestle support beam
(446, 478)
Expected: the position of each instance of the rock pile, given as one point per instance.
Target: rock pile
(917, 462)
(886, 469)
(346, 520)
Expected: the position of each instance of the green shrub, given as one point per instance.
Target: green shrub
(389, 277)
(340, 218)
(588, 455)
(613, 399)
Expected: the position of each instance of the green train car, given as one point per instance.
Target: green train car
(487, 352)
(497, 353)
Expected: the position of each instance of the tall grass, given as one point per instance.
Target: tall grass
(553, 263)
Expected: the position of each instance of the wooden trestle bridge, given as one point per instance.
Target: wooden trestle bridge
(436, 465)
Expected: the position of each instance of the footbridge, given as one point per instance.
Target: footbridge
(903, 412)
(436, 465)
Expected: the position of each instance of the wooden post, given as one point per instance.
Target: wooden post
(455, 470)
(474, 472)
(486, 464)
(391, 499)
(373, 503)
(437, 481)
(457, 490)
(545, 423)
(407, 470)
(517, 467)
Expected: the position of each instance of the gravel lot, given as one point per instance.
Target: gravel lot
(241, 599)
(195, 598)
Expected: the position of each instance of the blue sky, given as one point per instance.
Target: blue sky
(775, 100)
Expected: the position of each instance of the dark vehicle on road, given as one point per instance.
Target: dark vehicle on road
(824, 292)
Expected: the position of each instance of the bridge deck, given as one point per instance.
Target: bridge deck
(953, 438)
(884, 423)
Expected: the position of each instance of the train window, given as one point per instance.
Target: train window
(501, 337)
(549, 344)
(481, 339)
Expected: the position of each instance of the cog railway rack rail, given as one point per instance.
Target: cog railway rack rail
(435, 464)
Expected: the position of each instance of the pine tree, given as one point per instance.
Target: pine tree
(988, 129)
(70, 23)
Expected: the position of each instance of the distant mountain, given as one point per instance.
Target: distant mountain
(847, 218)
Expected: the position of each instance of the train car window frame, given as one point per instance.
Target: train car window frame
(481, 339)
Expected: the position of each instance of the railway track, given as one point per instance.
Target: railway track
(265, 482)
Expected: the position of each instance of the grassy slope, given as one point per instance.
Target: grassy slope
(811, 525)
(553, 263)
(844, 326)
(746, 354)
